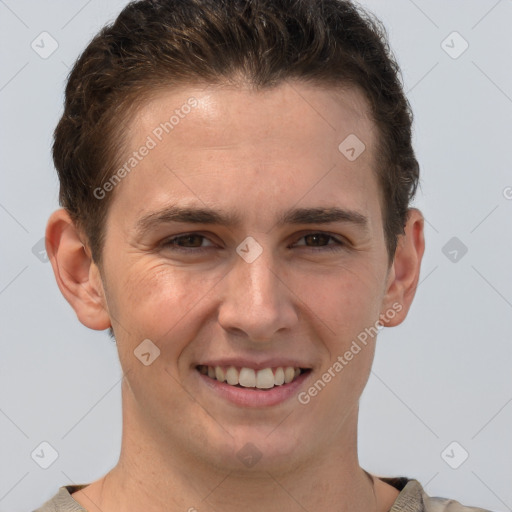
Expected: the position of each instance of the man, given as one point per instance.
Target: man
(236, 178)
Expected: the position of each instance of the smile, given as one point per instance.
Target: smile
(263, 379)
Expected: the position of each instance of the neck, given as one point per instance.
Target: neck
(125, 488)
(154, 475)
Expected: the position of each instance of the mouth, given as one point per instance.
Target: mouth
(264, 379)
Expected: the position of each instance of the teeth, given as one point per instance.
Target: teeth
(232, 375)
(279, 377)
(219, 374)
(266, 378)
(289, 373)
(247, 378)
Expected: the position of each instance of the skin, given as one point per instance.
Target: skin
(256, 154)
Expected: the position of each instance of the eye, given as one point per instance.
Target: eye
(186, 242)
(193, 242)
(320, 241)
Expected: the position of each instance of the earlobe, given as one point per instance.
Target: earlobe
(77, 275)
(405, 271)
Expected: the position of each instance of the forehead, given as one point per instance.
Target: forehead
(228, 114)
(245, 147)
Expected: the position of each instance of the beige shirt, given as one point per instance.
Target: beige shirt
(412, 498)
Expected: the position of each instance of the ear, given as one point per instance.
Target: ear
(404, 271)
(77, 276)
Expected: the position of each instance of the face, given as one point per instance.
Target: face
(243, 238)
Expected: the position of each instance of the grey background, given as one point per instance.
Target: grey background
(442, 376)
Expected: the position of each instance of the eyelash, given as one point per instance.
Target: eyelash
(170, 243)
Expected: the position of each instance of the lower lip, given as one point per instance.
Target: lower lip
(251, 397)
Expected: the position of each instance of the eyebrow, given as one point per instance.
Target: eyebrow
(203, 215)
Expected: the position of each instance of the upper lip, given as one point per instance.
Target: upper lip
(255, 364)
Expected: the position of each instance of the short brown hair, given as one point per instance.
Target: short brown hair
(155, 44)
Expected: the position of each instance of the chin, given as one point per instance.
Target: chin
(254, 451)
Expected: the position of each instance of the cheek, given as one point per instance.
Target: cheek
(151, 301)
(345, 300)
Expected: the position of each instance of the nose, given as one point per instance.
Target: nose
(256, 301)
